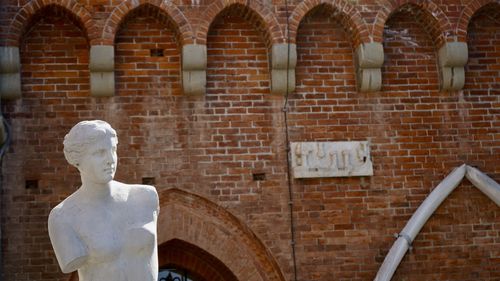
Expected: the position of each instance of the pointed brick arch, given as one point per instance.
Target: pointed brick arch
(434, 20)
(167, 7)
(469, 10)
(350, 18)
(263, 15)
(200, 222)
(196, 261)
(25, 16)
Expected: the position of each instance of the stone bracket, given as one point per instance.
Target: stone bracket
(369, 61)
(102, 71)
(194, 69)
(10, 73)
(331, 159)
(452, 58)
(283, 62)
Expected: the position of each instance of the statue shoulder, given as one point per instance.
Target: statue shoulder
(63, 211)
(56, 214)
(70, 250)
(145, 193)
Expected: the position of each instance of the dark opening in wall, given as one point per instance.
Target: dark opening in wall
(31, 184)
(148, 180)
(156, 52)
(259, 176)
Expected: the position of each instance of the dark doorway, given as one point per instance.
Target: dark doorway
(184, 260)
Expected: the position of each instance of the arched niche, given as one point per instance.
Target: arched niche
(470, 9)
(346, 13)
(54, 55)
(30, 13)
(169, 9)
(482, 87)
(199, 263)
(427, 13)
(147, 54)
(482, 68)
(238, 44)
(410, 53)
(253, 11)
(325, 77)
(197, 221)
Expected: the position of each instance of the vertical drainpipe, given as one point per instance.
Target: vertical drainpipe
(283, 62)
(10, 88)
(5, 141)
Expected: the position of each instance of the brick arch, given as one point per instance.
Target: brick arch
(200, 222)
(265, 17)
(434, 20)
(120, 12)
(25, 16)
(467, 13)
(350, 18)
(196, 261)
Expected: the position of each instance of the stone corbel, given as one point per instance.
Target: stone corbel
(194, 69)
(452, 59)
(10, 73)
(102, 71)
(369, 61)
(283, 66)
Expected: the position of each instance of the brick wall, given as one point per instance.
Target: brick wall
(480, 102)
(224, 151)
(55, 86)
(325, 107)
(437, 132)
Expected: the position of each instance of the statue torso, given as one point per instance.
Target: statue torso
(119, 234)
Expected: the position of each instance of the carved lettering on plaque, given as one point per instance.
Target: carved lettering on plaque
(331, 159)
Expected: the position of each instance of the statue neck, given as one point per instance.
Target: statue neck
(96, 191)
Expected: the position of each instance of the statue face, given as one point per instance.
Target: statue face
(98, 164)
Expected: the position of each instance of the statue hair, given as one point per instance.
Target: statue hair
(82, 135)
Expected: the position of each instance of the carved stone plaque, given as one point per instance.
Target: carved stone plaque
(331, 159)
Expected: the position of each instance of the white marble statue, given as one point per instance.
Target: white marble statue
(106, 229)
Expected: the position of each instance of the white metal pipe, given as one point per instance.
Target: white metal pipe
(392, 260)
(484, 183)
(432, 202)
(417, 221)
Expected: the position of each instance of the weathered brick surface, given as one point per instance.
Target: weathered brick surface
(55, 86)
(331, 213)
(467, 217)
(203, 152)
(481, 101)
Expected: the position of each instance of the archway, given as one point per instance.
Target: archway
(195, 220)
(192, 261)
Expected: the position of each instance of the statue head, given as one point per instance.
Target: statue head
(90, 146)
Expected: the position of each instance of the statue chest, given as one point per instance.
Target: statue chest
(111, 235)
